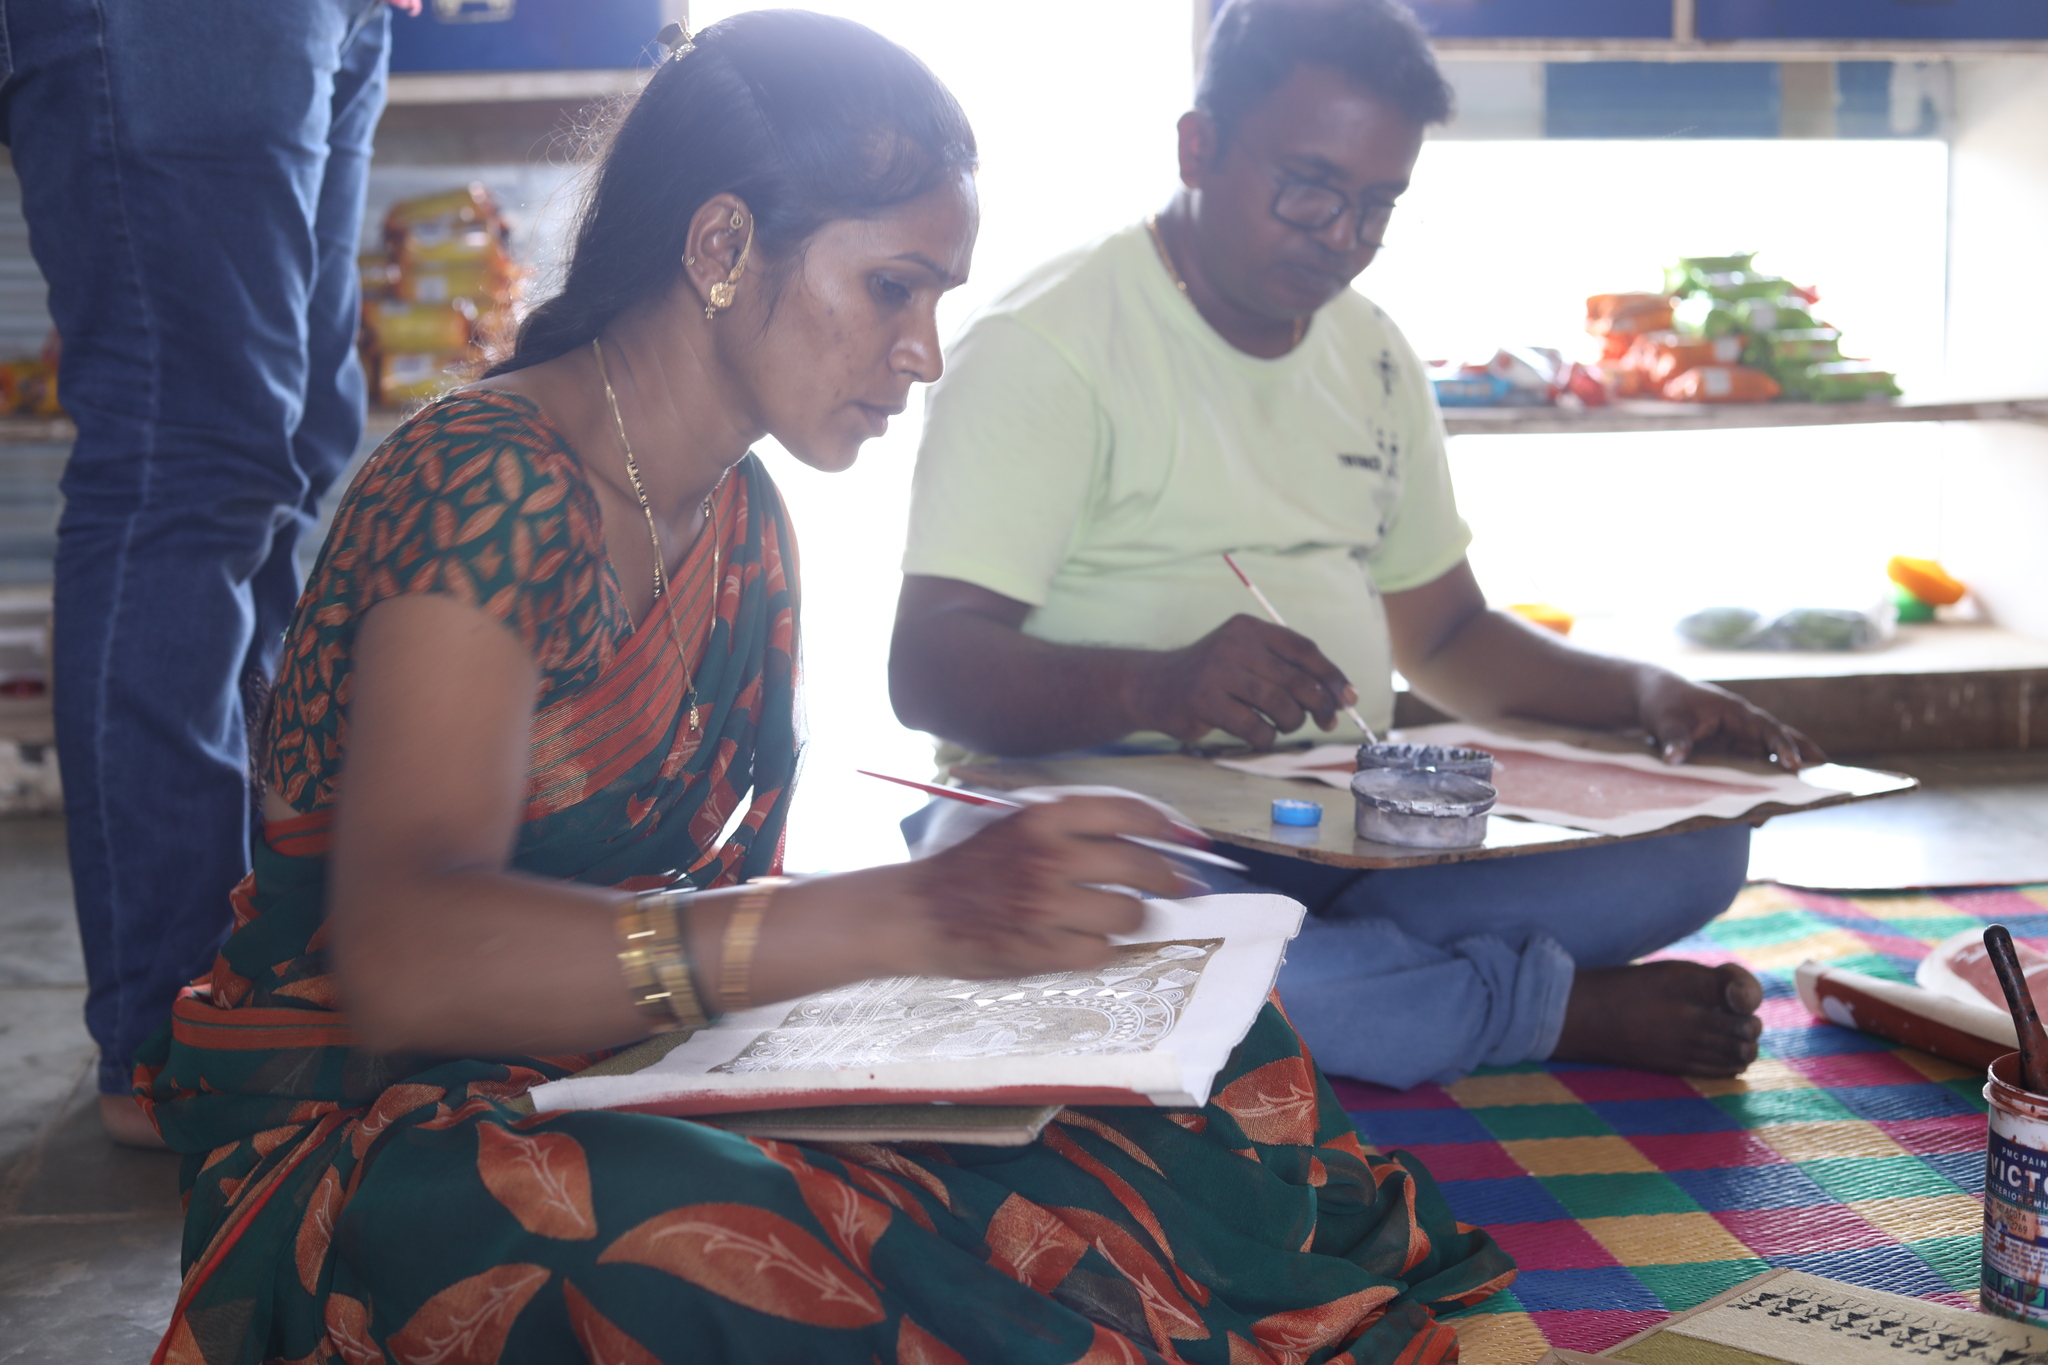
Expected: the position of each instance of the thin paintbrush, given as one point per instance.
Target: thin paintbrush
(1274, 616)
(1171, 850)
(2026, 1020)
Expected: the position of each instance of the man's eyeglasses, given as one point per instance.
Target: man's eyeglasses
(1313, 207)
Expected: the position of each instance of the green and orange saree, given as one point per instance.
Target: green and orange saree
(347, 1208)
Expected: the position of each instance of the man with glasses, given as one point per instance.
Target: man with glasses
(1207, 382)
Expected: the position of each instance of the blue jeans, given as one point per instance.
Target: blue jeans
(193, 179)
(1420, 974)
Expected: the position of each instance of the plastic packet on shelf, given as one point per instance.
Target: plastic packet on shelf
(377, 275)
(1799, 348)
(406, 377)
(1722, 384)
(1705, 315)
(1627, 314)
(1841, 381)
(482, 282)
(1662, 357)
(1740, 284)
(1784, 313)
(1683, 277)
(420, 328)
(1809, 629)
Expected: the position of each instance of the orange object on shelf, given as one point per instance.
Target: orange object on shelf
(1722, 384)
(1926, 580)
(1629, 313)
(1663, 356)
(1544, 615)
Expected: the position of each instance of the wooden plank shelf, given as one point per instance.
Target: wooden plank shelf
(1654, 416)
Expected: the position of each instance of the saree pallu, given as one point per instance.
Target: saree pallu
(346, 1208)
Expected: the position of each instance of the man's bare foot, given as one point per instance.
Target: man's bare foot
(1663, 1016)
(127, 1125)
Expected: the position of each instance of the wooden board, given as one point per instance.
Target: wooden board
(1237, 807)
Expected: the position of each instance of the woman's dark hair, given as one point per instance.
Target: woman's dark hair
(806, 117)
(1256, 44)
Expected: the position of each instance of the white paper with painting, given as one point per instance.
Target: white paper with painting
(1153, 1026)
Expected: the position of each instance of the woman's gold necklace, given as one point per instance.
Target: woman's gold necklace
(665, 600)
(1166, 257)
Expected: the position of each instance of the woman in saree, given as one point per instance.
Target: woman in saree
(534, 743)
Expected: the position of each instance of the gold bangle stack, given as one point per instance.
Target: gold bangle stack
(655, 961)
(742, 935)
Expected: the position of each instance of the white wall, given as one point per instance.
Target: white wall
(1073, 104)
(1995, 502)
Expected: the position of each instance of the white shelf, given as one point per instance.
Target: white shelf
(1653, 416)
(502, 87)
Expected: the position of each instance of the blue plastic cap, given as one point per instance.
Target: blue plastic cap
(1287, 812)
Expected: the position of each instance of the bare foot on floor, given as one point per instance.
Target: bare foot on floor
(127, 1125)
(1663, 1016)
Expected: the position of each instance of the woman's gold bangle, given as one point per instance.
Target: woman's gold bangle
(736, 945)
(656, 962)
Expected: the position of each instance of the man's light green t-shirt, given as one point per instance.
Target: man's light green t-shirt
(1095, 447)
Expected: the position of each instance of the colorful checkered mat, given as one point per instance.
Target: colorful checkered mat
(1626, 1196)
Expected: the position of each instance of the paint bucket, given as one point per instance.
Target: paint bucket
(2015, 1276)
(1421, 808)
(1441, 758)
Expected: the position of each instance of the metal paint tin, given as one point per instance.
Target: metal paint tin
(1421, 807)
(1441, 758)
(2015, 1276)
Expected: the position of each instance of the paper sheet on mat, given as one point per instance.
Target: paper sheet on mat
(1559, 784)
(1153, 1026)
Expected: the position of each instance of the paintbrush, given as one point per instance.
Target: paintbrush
(2026, 1020)
(1273, 615)
(1171, 850)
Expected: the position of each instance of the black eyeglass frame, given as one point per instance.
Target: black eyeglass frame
(1373, 213)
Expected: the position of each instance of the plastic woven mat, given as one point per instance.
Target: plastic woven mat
(1626, 1196)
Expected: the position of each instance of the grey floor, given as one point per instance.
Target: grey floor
(89, 1232)
(1978, 820)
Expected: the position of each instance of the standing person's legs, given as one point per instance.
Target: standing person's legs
(173, 162)
(1424, 973)
(331, 426)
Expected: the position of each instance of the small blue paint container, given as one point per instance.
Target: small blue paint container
(1287, 812)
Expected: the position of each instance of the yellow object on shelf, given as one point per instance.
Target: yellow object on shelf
(1926, 580)
(1545, 615)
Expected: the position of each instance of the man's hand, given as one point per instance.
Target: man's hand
(411, 7)
(1682, 716)
(1248, 677)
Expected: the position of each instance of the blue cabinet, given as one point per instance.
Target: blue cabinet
(1911, 20)
(1544, 18)
(526, 35)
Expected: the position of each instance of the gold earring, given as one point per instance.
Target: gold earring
(722, 294)
(689, 260)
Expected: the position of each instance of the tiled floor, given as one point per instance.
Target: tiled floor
(89, 1232)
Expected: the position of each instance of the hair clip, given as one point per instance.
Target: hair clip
(676, 38)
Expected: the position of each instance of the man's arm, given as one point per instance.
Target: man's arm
(1475, 662)
(962, 668)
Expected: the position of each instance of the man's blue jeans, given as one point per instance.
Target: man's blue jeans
(193, 179)
(1422, 973)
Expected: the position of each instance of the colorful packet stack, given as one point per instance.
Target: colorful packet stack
(1724, 332)
(440, 297)
(28, 386)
